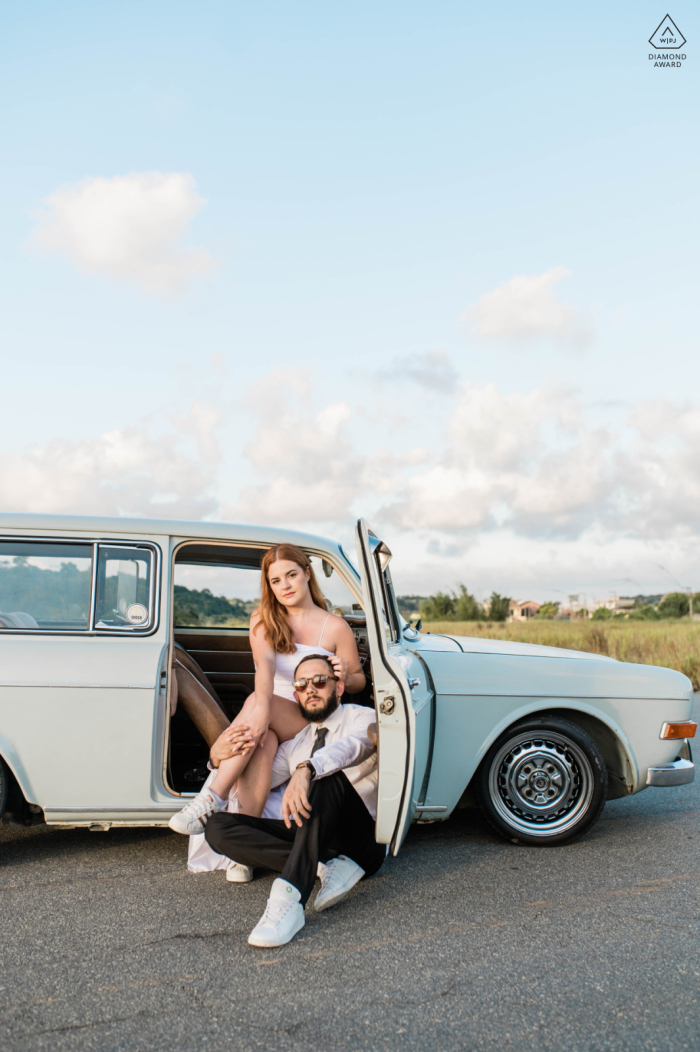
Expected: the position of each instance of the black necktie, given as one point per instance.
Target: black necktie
(320, 739)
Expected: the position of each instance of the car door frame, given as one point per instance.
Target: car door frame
(392, 694)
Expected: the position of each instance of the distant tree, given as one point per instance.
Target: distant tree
(466, 606)
(602, 614)
(675, 604)
(499, 607)
(409, 605)
(438, 607)
(547, 611)
(645, 613)
(199, 607)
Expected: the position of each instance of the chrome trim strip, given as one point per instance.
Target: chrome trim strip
(559, 697)
(176, 805)
(680, 772)
(93, 587)
(82, 686)
(434, 807)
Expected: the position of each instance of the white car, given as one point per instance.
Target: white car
(92, 609)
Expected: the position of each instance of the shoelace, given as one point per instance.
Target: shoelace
(201, 805)
(330, 876)
(276, 911)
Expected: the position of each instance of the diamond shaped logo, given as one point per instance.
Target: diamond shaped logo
(667, 37)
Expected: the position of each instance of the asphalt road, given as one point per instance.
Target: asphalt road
(462, 942)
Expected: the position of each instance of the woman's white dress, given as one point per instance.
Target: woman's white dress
(200, 857)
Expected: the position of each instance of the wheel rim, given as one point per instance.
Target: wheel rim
(541, 784)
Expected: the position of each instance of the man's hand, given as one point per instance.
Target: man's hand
(295, 802)
(235, 741)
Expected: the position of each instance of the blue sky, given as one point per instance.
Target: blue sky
(367, 173)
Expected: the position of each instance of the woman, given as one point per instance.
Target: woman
(291, 621)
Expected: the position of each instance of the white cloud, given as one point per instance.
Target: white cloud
(128, 228)
(433, 370)
(521, 491)
(301, 451)
(131, 471)
(526, 307)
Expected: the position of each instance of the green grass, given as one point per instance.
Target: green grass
(672, 644)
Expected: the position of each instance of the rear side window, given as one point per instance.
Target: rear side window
(124, 577)
(45, 585)
(99, 586)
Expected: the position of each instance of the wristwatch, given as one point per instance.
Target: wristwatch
(312, 770)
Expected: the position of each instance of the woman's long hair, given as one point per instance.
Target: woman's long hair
(273, 615)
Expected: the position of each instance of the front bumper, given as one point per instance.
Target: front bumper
(680, 772)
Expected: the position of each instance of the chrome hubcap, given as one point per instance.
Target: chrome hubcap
(541, 784)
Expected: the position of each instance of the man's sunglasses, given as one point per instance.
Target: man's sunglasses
(318, 681)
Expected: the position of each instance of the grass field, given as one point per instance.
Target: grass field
(673, 644)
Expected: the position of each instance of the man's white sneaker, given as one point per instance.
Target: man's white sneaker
(282, 919)
(339, 877)
(193, 818)
(238, 874)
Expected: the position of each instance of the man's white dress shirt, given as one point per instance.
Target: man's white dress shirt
(347, 748)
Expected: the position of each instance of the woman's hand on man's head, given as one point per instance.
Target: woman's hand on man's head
(340, 667)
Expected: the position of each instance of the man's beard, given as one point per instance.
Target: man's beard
(319, 715)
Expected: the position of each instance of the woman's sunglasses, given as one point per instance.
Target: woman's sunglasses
(318, 681)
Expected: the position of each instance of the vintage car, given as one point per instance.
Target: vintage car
(92, 611)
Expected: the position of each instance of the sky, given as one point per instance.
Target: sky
(292, 264)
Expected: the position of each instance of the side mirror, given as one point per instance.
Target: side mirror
(416, 623)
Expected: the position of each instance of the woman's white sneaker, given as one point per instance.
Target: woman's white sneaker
(339, 877)
(238, 873)
(282, 919)
(193, 818)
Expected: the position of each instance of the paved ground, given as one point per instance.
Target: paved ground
(463, 942)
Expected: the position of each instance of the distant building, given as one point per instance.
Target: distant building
(616, 603)
(522, 610)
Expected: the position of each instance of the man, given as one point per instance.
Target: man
(328, 808)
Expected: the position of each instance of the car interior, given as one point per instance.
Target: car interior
(210, 637)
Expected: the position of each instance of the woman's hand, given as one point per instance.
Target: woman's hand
(340, 667)
(256, 721)
(235, 741)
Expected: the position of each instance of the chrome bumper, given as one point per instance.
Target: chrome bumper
(680, 772)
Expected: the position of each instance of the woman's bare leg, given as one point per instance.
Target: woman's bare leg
(286, 720)
(254, 783)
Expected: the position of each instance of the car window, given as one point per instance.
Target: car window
(389, 609)
(337, 594)
(123, 588)
(45, 585)
(214, 595)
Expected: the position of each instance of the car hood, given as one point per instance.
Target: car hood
(477, 645)
(465, 665)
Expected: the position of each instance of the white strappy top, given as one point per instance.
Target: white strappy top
(286, 663)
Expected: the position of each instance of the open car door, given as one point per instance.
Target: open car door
(392, 695)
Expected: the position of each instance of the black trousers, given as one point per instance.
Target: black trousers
(340, 824)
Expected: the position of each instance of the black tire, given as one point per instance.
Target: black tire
(544, 782)
(4, 786)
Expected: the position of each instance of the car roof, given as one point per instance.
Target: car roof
(109, 526)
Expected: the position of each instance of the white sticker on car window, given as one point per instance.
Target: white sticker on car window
(137, 614)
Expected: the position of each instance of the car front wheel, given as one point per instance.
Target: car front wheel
(543, 782)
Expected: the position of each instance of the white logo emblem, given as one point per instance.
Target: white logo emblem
(137, 614)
